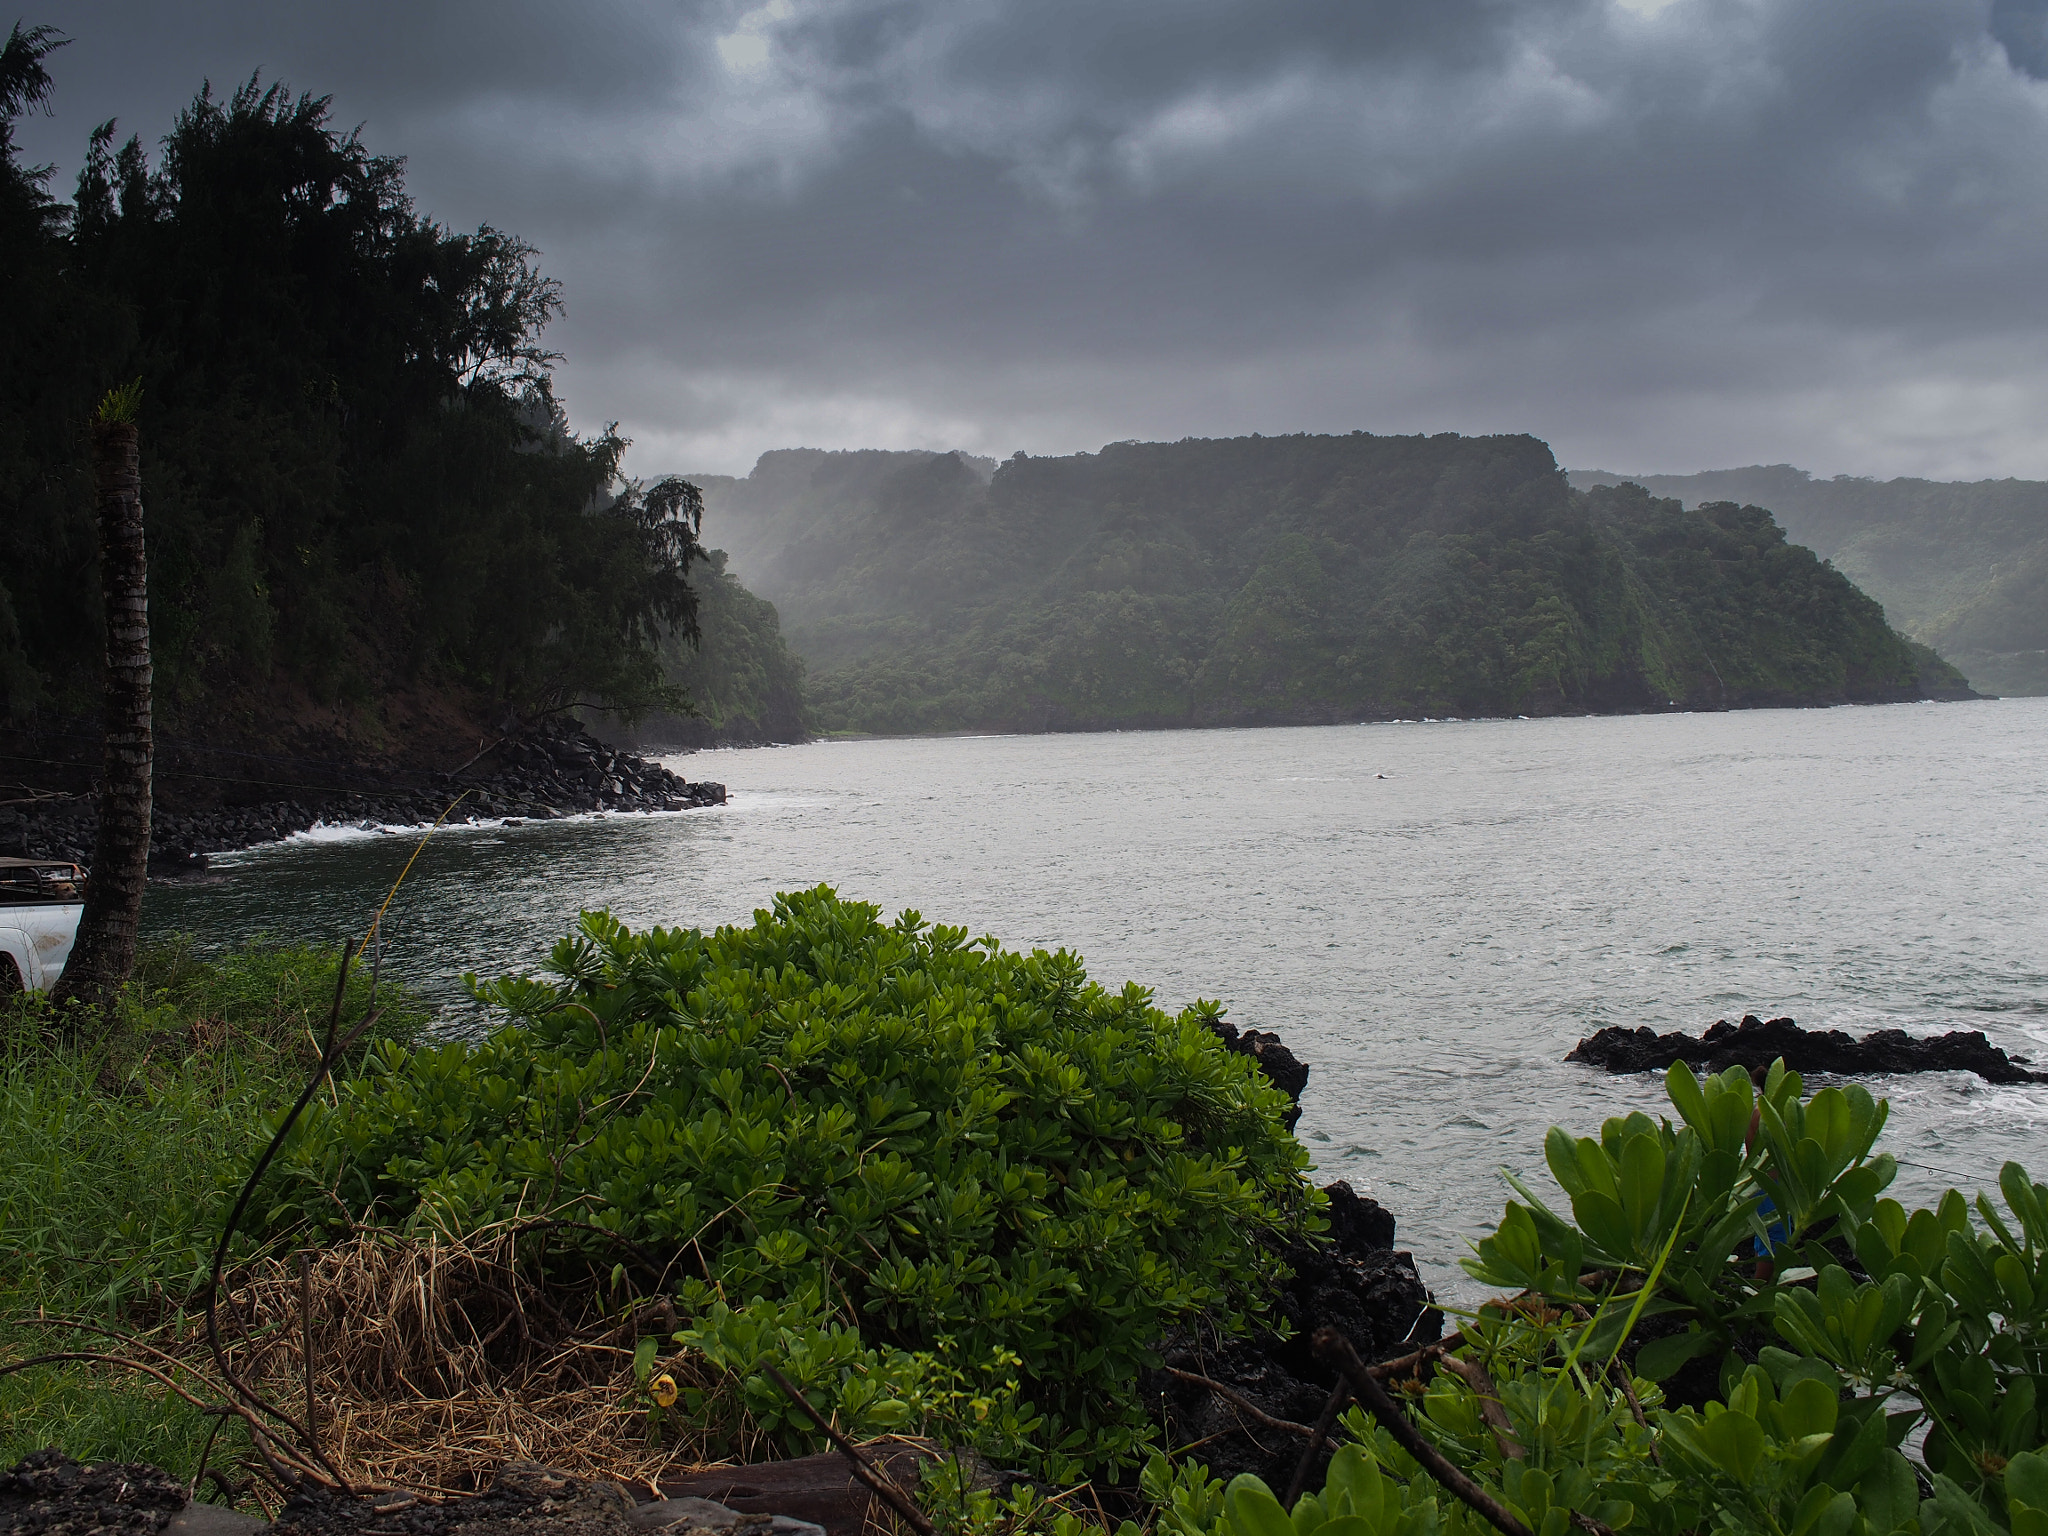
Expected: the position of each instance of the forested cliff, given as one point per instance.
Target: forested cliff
(1962, 565)
(1302, 579)
(372, 534)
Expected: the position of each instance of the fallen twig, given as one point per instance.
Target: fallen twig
(1474, 1375)
(1409, 1364)
(1325, 1423)
(1333, 1347)
(1287, 1426)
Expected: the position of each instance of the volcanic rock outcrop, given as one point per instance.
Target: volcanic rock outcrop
(1755, 1043)
(1283, 1069)
(1356, 1282)
(553, 770)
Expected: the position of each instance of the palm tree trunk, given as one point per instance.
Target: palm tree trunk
(104, 953)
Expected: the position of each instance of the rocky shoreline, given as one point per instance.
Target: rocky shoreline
(1755, 1043)
(541, 774)
(1357, 1283)
(49, 1494)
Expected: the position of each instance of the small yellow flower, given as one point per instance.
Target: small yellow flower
(664, 1389)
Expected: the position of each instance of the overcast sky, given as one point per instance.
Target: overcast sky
(1662, 236)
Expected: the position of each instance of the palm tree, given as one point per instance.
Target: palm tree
(104, 952)
(24, 83)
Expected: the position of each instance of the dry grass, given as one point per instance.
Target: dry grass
(437, 1361)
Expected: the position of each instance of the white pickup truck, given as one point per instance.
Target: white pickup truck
(41, 901)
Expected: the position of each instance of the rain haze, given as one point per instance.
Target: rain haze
(1660, 236)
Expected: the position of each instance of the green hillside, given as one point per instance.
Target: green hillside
(1293, 580)
(1960, 565)
(745, 682)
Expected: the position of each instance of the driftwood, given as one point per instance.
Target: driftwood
(876, 1478)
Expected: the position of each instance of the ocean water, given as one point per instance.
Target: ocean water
(1430, 914)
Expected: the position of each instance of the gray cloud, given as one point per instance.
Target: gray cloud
(1661, 236)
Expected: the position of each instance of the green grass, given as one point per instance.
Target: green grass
(123, 1150)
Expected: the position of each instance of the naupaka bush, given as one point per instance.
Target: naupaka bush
(858, 1139)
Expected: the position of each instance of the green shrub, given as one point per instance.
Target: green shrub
(846, 1136)
(1754, 1233)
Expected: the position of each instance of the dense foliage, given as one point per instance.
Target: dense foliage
(746, 684)
(1291, 579)
(856, 1143)
(1753, 1239)
(356, 476)
(1959, 565)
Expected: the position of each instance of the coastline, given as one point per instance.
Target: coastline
(1153, 725)
(553, 772)
(545, 774)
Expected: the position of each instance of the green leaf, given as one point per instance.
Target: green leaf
(1595, 1168)
(2026, 1477)
(2014, 1281)
(1355, 1478)
(1252, 1509)
(1809, 1408)
(1642, 1182)
(1600, 1218)
(1562, 1155)
(2026, 1201)
(1683, 1089)
(1889, 1494)
(1659, 1358)
(1736, 1442)
(1837, 1517)
(1953, 1512)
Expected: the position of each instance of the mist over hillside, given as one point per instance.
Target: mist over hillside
(1960, 565)
(775, 521)
(1279, 580)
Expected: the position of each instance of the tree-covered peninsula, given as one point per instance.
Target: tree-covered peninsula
(1962, 565)
(1289, 580)
(373, 535)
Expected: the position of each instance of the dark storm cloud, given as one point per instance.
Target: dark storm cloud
(1695, 233)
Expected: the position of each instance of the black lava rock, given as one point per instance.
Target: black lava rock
(1359, 1224)
(1283, 1069)
(1374, 1298)
(1353, 1281)
(1755, 1043)
(49, 1494)
(1231, 1440)
(551, 771)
